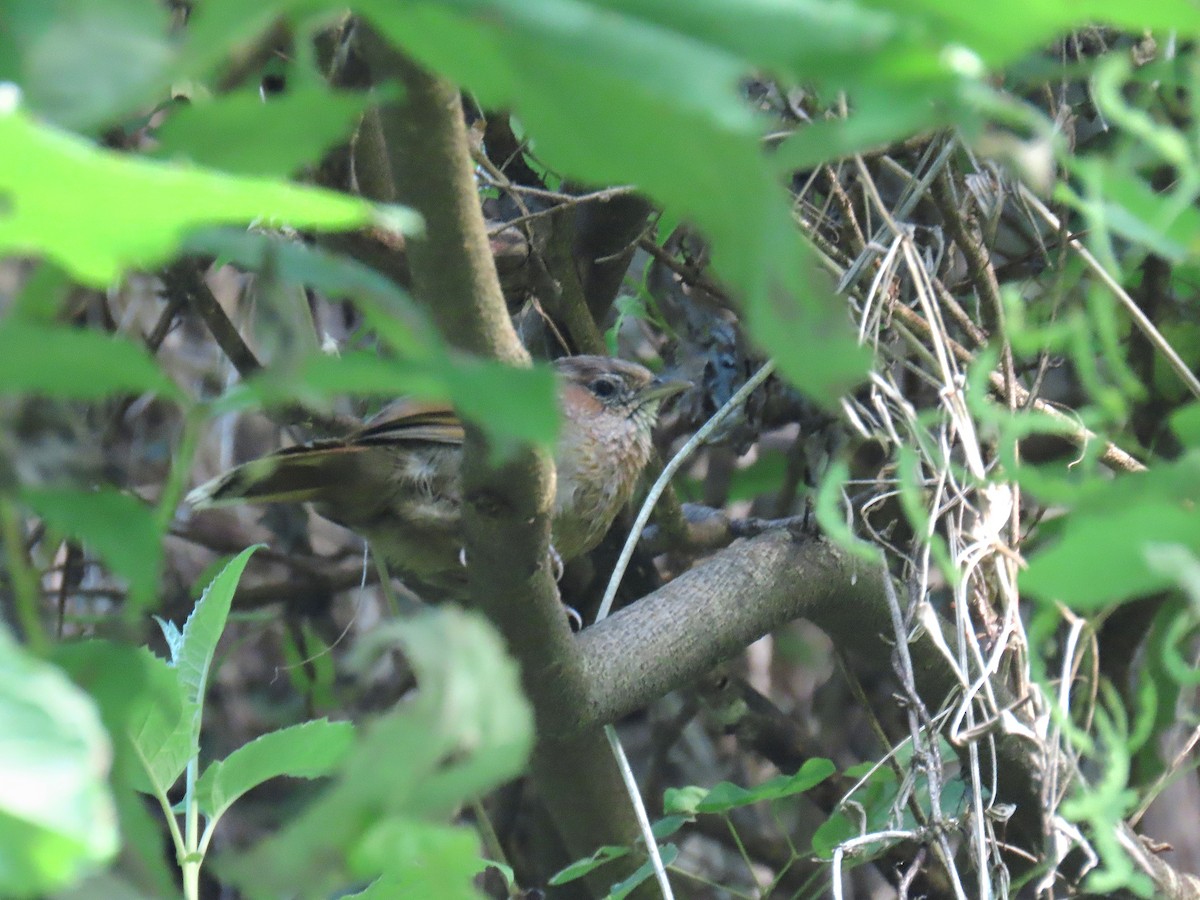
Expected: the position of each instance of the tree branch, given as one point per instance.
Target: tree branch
(508, 505)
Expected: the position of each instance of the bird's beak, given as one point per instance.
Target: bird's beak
(662, 388)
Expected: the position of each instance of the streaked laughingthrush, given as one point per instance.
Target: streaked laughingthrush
(396, 482)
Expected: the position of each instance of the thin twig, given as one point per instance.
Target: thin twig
(668, 473)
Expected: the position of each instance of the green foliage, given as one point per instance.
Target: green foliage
(655, 106)
(308, 750)
(609, 91)
(467, 730)
(117, 526)
(241, 134)
(1115, 526)
(726, 796)
(97, 213)
(82, 64)
(75, 364)
(57, 817)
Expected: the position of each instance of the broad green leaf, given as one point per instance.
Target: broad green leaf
(1101, 552)
(659, 109)
(803, 38)
(203, 629)
(80, 63)
(512, 404)
(1185, 422)
(874, 798)
(97, 213)
(141, 705)
(241, 133)
(117, 526)
(467, 729)
(1102, 559)
(387, 308)
(57, 817)
(418, 859)
(582, 867)
(74, 363)
(1167, 223)
(309, 750)
(104, 886)
(878, 116)
(1010, 29)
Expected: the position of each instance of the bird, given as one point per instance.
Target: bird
(395, 480)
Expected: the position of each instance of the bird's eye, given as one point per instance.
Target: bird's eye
(604, 388)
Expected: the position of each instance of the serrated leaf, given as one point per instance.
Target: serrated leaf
(203, 629)
(57, 817)
(75, 363)
(97, 213)
(171, 634)
(309, 750)
(116, 526)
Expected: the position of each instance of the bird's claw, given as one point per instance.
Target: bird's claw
(462, 556)
(574, 619)
(556, 565)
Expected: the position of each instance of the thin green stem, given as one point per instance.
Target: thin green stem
(23, 578)
(192, 857)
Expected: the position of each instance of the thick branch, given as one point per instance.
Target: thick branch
(708, 614)
(508, 505)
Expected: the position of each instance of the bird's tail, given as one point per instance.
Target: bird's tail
(311, 473)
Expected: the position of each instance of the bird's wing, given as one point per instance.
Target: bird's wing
(411, 420)
(357, 467)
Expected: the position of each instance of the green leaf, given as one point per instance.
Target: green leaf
(141, 706)
(240, 133)
(117, 526)
(75, 363)
(97, 213)
(81, 64)
(467, 729)
(387, 307)
(1103, 552)
(582, 867)
(158, 725)
(418, 859)
(203, 629)
(622, 889)
(727, 796)
(684, 800)
(874, 798)
(1185, 422)
(57, 817)
(511, 403)
(309, 750)
(657, 108)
